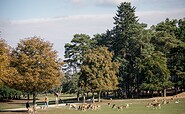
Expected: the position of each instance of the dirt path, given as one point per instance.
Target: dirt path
(181, 95)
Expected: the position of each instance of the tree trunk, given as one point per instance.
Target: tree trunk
(28, 96)
(87, 94)
(34, 98)
(164, 93)
(99, 95)
(92, 97)
(83, 98)
(152, 93)
(78, 96)
(158, 93)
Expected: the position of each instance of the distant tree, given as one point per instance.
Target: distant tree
(98, 72)
(38, 66)
(69, 84)
(9, 93)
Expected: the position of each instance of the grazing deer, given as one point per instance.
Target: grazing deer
(109, 104)
(98, 106)
(113, 105)
(156, 105)
(120, 108)
(149, 105)
(42, 107)
(177, 101)
(164, 101)
(32, 110)
(72, 106)
(127, 106)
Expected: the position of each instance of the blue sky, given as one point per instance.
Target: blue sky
(58, 20)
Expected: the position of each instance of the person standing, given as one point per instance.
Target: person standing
(46, 101)
(27, 105)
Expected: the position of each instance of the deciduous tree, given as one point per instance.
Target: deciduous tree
(6, 72)
(38, 66)
(98, 72)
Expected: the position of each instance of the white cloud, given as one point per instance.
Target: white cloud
(56, 30)
(79, 2)
(154, 17)
(100, 2)
(111, 2)
(60, 30)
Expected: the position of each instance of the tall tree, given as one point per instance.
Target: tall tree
(164, 37)
(130, 41)
(177, 57)
(157, 74)
(124, 19)
(168, 38)
(98, 72)
(74, 52)
(38, 66)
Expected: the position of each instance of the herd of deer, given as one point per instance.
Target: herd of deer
(155, 104)
(84, 106)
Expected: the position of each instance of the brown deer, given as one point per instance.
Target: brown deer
(156, 105)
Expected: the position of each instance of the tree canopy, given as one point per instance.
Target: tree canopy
(5, 70)
(98, 72)
(37, 64)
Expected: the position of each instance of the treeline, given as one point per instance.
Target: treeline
(130, 60)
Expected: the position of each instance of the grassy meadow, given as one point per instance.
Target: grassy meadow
(136, 106)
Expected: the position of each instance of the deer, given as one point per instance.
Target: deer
(156, 105)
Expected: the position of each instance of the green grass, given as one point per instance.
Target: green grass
(7, 106)
(136, 107)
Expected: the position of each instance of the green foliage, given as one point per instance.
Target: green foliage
(169, 39)
(98, 72)
(156, 72)
(8, 93)
(180, 32)
(124, 20)
(69, 84)
(74, 52)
